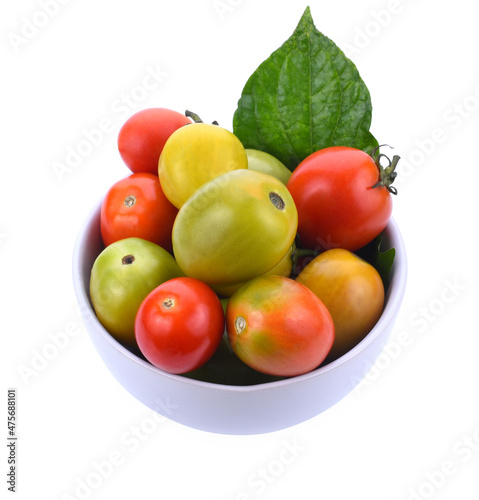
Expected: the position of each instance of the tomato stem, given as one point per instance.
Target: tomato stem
(194, 116)
(386, 174)
(301, 252)
(304, 252)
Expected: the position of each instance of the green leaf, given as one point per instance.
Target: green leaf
(306, 96)
(381, 260)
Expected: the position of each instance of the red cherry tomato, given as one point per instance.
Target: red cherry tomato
(143, 135)
(343, 198)
(179, 325)
(136, 207)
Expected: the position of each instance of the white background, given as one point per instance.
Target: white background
(83, 65)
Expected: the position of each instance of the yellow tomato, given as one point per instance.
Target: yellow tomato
(194, 155)
(353, 292)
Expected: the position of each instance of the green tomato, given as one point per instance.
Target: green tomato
(195, 154)
(264, 162)
(234, 228)
(283, 268)
(122, 275)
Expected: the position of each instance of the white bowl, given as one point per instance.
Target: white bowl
(232, 409)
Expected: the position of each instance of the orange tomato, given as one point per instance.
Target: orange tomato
(352, 291)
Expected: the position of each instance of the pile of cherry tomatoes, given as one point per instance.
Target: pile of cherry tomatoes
(205, 244)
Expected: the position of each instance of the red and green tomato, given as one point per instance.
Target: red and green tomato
(278, 326)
